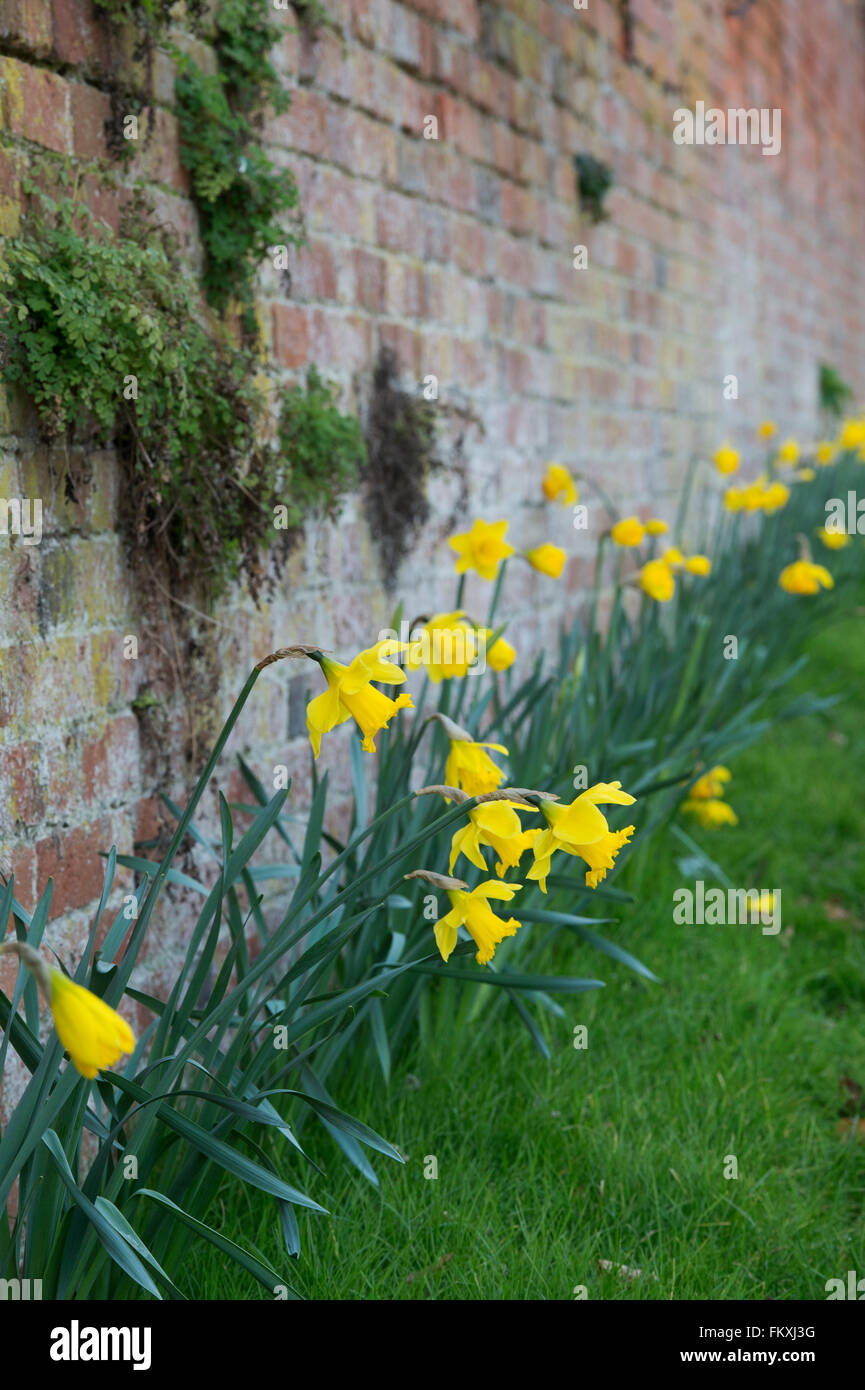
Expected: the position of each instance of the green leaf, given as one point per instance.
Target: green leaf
(265, 1275)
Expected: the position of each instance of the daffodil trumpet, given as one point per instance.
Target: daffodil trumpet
(94, 1034)
(470, 908)
(350, 693)
(469, 765)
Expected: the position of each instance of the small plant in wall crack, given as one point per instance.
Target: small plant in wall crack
(106, 335)
(241, 195)
(594, 181)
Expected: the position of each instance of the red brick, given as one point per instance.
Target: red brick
(290, 335)
(80, 33)
(91, 113)
(28, 24)
(315, 274)
(35, 104)
(370, 279)
(106, 761)
(72, 859)
(23, 802)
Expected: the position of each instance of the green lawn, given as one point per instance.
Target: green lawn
(617, 1152)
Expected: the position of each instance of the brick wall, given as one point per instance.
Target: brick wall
(456, 252)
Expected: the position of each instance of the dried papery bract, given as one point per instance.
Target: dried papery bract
(296, 652)
(441, 881)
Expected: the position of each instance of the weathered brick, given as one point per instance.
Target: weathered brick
(80, 33)
(91, 115)
(72, 858)
(290, 335)
(27, 24)
(34, 103)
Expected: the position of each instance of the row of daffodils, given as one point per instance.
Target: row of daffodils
(512, 824)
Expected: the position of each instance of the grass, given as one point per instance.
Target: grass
(617, 1152)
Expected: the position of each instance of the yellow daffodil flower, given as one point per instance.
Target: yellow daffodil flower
(775, 496)
(852, 435)
(656, 527)
(824, 454)
(581, 829)
(705, 799)
(445, 646)
(726, 460)
(493, 823)
(482, 548)
(788, 452)
(94, 1034)
(734, 499)
(501, 655)
(804, 577)
(558, 485)
(833, 540)
(472, 910)
(766, 429)
(656, 580)
(349, 695)
(698, 564)
(757, 496)
(547, 559)
(710, 785)
(804, 475)
(470, 767)
(628, 532)
(711, 813)
(673, 558)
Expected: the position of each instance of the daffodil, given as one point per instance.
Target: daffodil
(559, 486)
(833, 540)
(547, 559)
(804, 475)
(766, 429)
(482, 548)
(469, 765)
(446, 646)
(581, 829)
(852, 435)
(734, 499)
(350, 695)
(698, 564)
(804, 577)
(788, 452)
(628, 532)
(500, 655)
(673, 558)
(824, 454)
(775, 496)
(493, 823)
(472, 910)
(705, 799)
(757, 496)
(710, 785)
(726, 460)
(656, 527)
(711, 813)
(656, 580)
(94, 1034)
